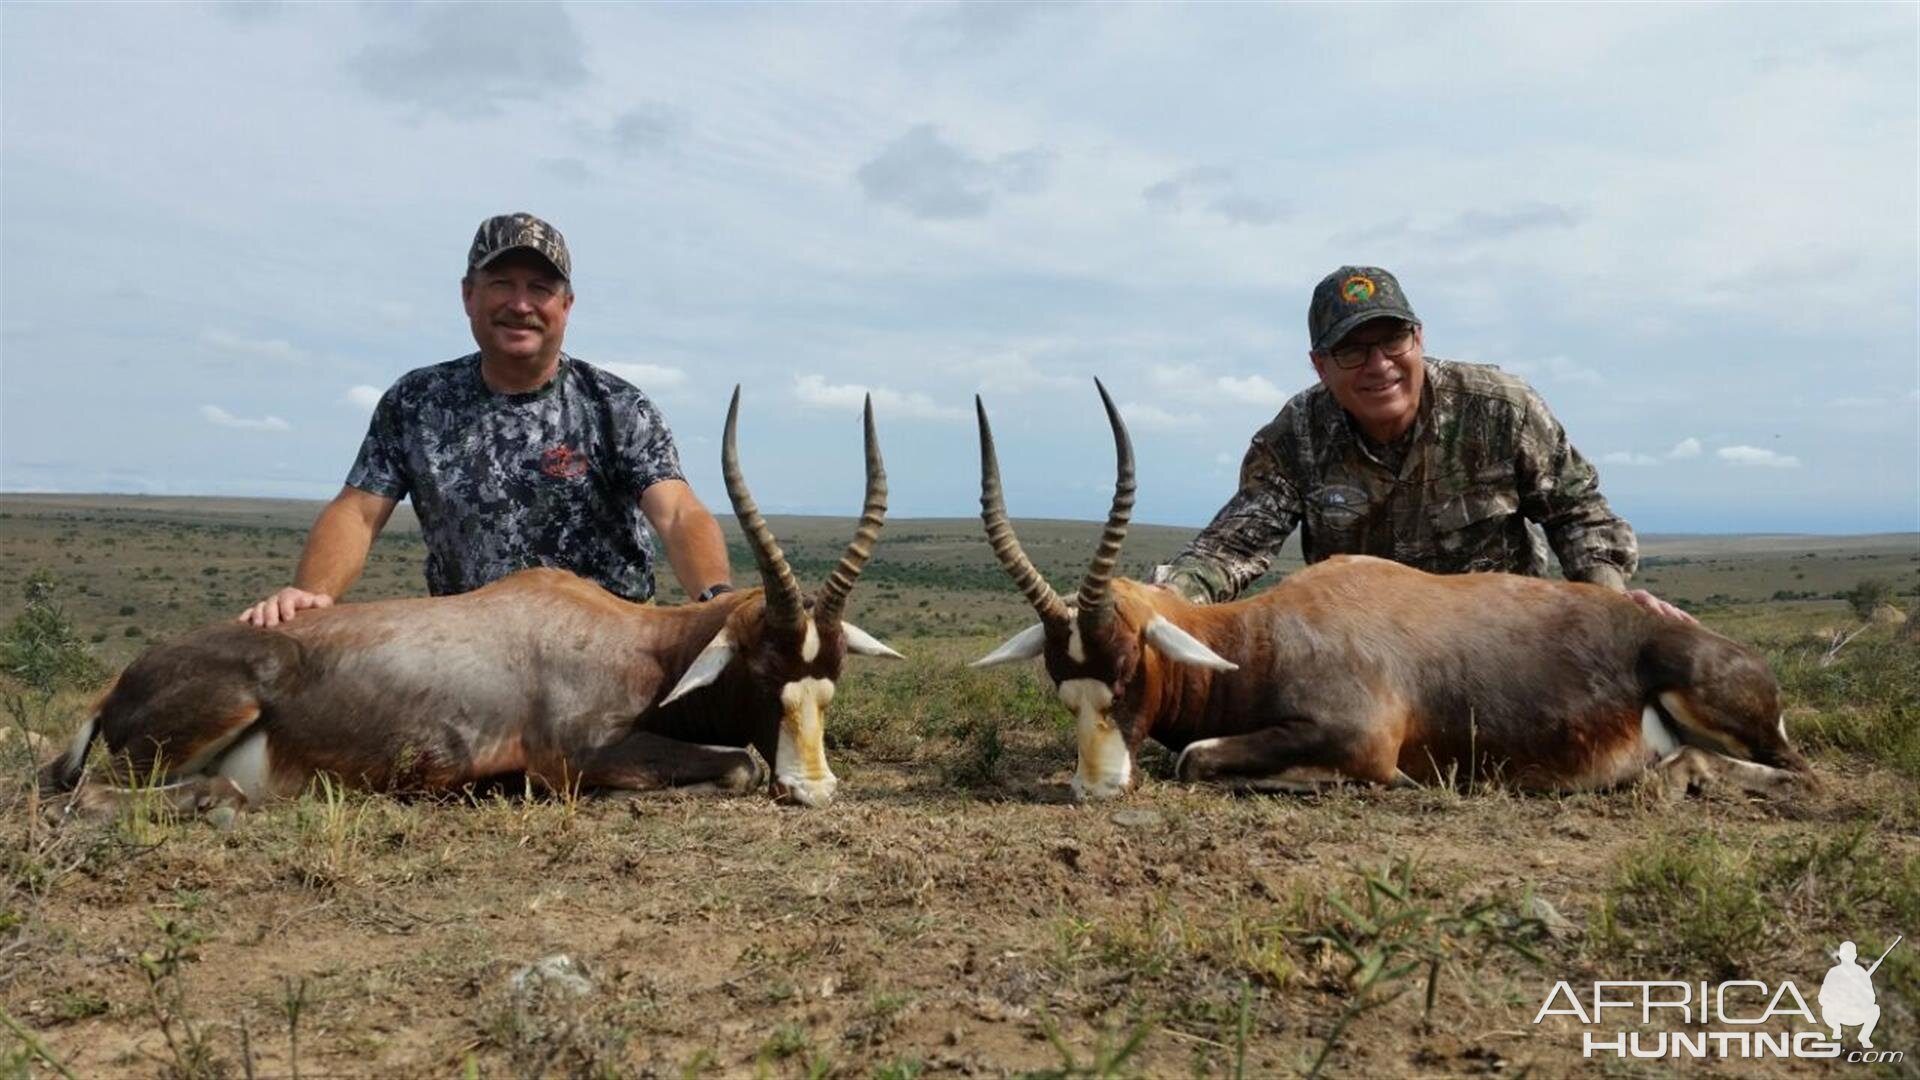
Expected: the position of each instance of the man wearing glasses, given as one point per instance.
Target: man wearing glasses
(1432, 463)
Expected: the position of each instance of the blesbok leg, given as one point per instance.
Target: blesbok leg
(1296, 755)
(195, 796)
(1689, 769)
(644, 761)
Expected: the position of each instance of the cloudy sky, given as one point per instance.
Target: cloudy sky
(223, 229)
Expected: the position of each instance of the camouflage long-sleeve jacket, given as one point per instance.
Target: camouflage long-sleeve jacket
(1485, 458)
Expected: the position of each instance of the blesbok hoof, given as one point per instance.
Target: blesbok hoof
(799, 792)
(1189, 767)
(749, 775)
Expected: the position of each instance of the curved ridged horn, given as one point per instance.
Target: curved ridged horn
(1096, 592)
(1006, 546)
(833, 595)
(783, 593)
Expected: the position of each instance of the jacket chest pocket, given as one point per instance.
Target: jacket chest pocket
(1472, 526)
(1338, 510)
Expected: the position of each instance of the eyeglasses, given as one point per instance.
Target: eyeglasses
(1394, 346)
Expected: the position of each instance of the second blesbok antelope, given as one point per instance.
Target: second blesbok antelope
(1361, 669)
(541, 673)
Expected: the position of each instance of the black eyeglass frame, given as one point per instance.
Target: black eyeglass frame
(1349, 357)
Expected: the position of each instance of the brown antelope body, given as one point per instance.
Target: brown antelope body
(1363, 669)
(541, 673)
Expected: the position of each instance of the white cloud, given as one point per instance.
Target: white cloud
(259, 348)
(927, 176)
(363, 396)
(1755, 456)
(1628, 457)
(1688, 447)
(220, 417)
(1012, 373)
(1155, 418)
(649, 376)
(1252, 390)
(1564, 369)
(1188, 382)
(1220, 195)
(814, 390)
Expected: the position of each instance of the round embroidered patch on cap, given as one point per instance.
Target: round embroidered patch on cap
(1357, 289)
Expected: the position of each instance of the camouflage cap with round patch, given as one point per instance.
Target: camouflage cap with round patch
(1350, 296)
(504, 232)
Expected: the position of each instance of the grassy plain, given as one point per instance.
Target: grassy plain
(952, 913)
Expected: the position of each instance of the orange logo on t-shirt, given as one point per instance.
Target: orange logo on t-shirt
(563, 462)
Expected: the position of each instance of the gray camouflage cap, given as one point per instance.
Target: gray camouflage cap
(505, 232)
(1350, 296)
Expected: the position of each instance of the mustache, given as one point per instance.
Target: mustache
(520, 324)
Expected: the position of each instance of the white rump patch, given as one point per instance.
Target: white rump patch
(861, 643)
(707, 666)
(250, 766)
(800, 760)
(1179, 646)
(1024, 645)
(1105, 767)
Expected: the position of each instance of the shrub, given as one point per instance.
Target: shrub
(40, 649)
(1867, 595)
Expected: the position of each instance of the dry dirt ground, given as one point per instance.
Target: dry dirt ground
(952, 913)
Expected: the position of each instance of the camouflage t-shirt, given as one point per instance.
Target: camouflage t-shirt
(501, 482)
(1484, 459)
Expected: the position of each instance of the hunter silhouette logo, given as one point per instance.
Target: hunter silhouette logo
(1736, 1019)
(1846, 994)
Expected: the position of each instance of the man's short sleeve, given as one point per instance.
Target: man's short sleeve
(647, 449)
(380, 468)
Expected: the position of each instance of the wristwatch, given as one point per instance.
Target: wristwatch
(712, 591)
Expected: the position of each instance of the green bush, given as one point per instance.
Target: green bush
(40, 649)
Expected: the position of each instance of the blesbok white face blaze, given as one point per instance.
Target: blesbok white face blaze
(810, 645)
(250, 766)
(1654, 734)
(1105, 768)
(800, 762)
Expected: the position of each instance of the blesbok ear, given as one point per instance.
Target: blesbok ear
(706, 667)
(1183, 648)
(1024, 645)
(861, 643)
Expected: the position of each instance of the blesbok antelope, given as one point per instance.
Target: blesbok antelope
(541, 673)
(1361, 669)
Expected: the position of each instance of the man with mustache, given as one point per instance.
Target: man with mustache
(517, 455)
(1434, 463)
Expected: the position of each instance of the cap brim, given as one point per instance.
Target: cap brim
(495, 257)
(1345, 326)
